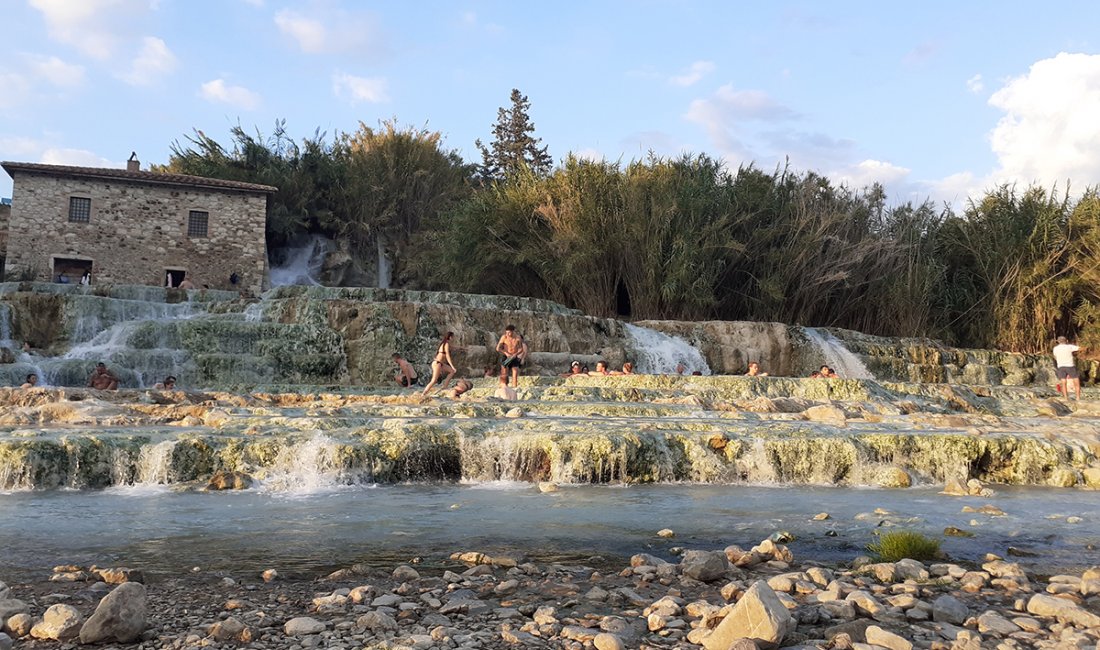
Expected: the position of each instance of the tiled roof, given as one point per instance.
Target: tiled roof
(155, 178)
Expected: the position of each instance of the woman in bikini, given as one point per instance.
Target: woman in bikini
(442, 363)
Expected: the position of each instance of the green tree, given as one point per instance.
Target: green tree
(514, 146)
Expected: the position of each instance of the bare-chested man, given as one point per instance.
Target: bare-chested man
(510, 348)
(102, 379)
(406, 374)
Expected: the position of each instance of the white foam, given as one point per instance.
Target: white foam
(838, 357)
(657, 353)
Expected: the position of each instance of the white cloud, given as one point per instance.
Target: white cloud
(1049, 132)
(726, 115)
(254, 3)
(870, 171)
(693, 74)
(589, 154)
(359, 89)
(91, 26)
(75, 157)
(153, 62)
(56, 71)
(975, 84)
(237, 96)
(323, 32)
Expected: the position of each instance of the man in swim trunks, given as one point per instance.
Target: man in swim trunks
(510, 348)
(406, 374)
(1066, 368)
(103, 379)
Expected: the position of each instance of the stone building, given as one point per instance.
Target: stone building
(135, 227)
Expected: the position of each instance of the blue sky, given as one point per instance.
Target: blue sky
(939, 100)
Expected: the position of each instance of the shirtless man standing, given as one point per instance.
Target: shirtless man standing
(510, 348)
(103, 379)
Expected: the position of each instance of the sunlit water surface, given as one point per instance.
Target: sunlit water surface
(163, 531)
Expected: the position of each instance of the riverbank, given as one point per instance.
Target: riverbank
(468, 600)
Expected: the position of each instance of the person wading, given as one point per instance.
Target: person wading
(442, 363)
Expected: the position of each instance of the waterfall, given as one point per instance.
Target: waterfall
(311, 465)
(301, 263)
(657, 353)
(154, 463)
(837, 357)
(385, 270)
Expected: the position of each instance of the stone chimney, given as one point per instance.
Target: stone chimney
(133, 164)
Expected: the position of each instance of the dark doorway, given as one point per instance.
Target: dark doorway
(173, 277)
(70, 270)
(622, 299)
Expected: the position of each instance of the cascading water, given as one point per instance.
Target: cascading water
(154, 463)
(301, 264)
(310, 466)
(657, 353)
(837, 357)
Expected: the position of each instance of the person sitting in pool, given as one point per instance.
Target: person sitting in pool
(628, 369)
(102, 379)
(461, 386)
(31, 382)
(754, 370)
(601, 368)
(504, 391)
(169, 383)
(829, 373)
(575, 368)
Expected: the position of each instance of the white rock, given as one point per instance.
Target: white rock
(18, 625)
(227, 630)
(608, 641)
(1063, 610)
(991, 622)
(59, 622)
(759, 616)
(908, 569)
(865, 602)
(877, 636)
(120, 616)
(302, 626)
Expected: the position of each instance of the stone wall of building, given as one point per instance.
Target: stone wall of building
(137, 231)
(5, 217)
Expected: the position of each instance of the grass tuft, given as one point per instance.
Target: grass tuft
(898, 545)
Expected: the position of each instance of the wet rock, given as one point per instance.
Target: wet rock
(548, 486)
(270, 575)
(118, 575)
(1063, 477)
(758, 616)
(666, 533)
(948, 609)
(229, 481)
(302, 626)
(821, 516)
(955, 487)
(704, 566)
(1091, 477)
(59, 622)
(120, 616)
(875, 635)
(894, 477)
(953, 531)
(826, 414)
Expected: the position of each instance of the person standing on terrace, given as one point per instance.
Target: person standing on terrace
(442, 363)
(1066, 368)
(510, 348)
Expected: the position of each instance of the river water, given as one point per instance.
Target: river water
(305, 532)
